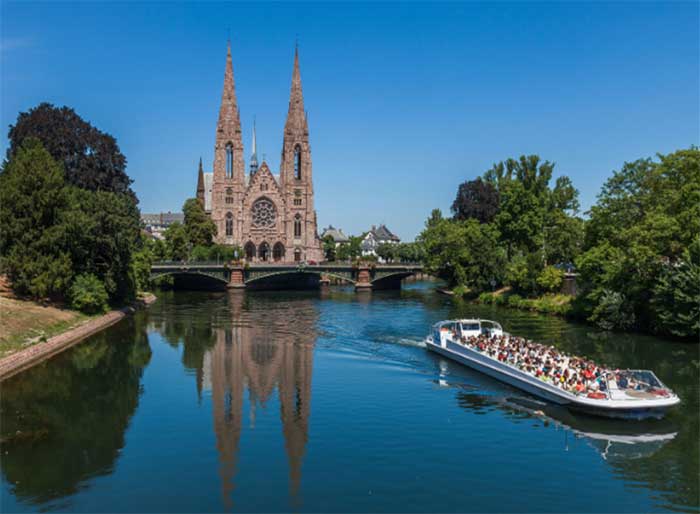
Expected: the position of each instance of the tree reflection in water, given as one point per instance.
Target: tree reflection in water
(63, 422)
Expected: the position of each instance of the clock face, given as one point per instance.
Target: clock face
(264, 213)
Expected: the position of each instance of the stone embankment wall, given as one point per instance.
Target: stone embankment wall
(25, 359)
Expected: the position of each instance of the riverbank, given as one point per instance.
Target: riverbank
(70, 328)
(558, 304)
(24, 323)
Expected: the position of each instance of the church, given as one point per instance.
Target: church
(270, 216)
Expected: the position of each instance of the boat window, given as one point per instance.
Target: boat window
(470, 326)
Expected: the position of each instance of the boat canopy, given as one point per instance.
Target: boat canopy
(470, 327)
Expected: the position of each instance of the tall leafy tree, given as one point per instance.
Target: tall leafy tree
(176, 242)
(329, 250)
(199, 227)
(676, 298)
(91, 159)
(464, 253)
(53, 232)
(476, 199)
(647, 215)
(532, 215)
(34, 250)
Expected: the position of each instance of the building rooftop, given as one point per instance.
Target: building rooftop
(336, 233)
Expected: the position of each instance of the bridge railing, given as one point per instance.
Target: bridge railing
(325, 264)
(188, 263)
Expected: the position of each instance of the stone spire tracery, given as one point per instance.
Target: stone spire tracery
(254, 155)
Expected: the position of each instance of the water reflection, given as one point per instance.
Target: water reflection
(262, 343)
(63, 422)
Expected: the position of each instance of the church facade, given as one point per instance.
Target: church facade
(271, 217)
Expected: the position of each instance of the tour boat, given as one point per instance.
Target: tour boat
(649, 398)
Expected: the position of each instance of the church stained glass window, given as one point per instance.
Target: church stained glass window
(297, 162)
(297, 226)
(229, 160)
(229, 224)
(264, 213)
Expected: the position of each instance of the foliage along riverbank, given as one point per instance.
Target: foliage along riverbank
(637, 255)
(21, 350)
(70, 221)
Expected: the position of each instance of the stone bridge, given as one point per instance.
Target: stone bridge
(364, 276)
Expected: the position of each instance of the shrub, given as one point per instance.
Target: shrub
(88, 294)
(613, 311)
(461, 291)
(487, 298)
(514, 300)
(550, 279)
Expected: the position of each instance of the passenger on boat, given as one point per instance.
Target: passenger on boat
(570, 373)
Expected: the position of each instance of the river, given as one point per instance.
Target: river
(328, 401)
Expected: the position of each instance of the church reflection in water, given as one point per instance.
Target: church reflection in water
(260, 350)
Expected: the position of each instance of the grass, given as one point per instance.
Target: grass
(24, 323)
(551, 303)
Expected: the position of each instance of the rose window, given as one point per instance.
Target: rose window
(264, 213)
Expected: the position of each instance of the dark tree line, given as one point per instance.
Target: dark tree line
(70, 222)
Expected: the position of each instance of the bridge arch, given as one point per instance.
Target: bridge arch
(198, 277)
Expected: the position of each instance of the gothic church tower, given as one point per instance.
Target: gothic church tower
(296, 177)
(229, 168)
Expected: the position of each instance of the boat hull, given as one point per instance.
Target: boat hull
(530, 384)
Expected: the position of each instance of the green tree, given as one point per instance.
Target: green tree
(88, 294)
(351, 250)
(386, 252)
(177, 242)
(646, 217)
(103, 230)
(33, 239)
(533, 216)
(464, 253)
(676, 300)
(199, 227)
(550, 279)
(411, 252)
(329, 250)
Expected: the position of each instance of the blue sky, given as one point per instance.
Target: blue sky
(405, 101)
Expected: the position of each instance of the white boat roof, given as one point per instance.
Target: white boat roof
(469, 320)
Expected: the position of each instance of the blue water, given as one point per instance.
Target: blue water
(328, 401)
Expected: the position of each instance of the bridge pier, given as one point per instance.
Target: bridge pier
(364, 280)
(237, 278)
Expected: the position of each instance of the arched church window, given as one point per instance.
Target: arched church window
(297, 162)
(264, 213)
(229, 224)
(297, 226)
(249, 251)
(264, 251)
(229, 195)
(297, 255)
(278, 252)
(229, 160)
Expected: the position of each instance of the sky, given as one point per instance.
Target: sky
(405, 101)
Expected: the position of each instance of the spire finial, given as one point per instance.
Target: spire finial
(254, 155)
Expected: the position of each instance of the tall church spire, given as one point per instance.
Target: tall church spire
(254, 156)
(229, 119)
(296, 119)
(200, 184)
